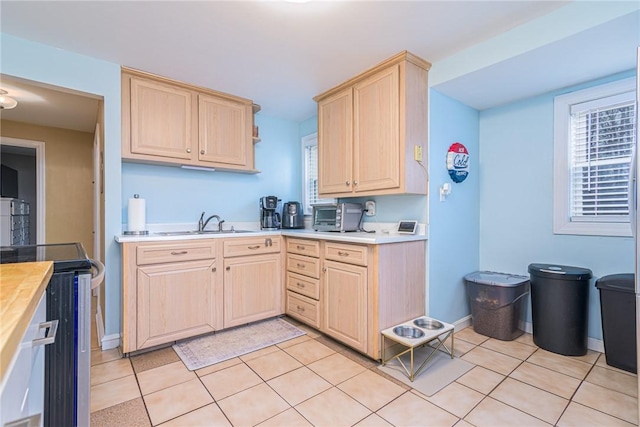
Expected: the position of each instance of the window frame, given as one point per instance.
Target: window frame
(307, 141)
(562, 223)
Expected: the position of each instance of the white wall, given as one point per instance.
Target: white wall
(516, 204)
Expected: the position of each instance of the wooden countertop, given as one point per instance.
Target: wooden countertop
(21, 287)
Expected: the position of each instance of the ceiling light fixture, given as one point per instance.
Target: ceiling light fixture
(6, 102)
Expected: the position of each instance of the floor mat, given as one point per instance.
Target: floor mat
(439, 372)
(199, 352)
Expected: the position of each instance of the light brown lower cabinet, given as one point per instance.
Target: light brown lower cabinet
(171, 291)
(345, 303)
(175, 301)
(363, 289)
(252, 279)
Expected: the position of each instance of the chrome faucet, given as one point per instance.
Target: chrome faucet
(203, 223)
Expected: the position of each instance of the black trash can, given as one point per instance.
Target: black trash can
(618, 309)
(559, 307)
(497, 301)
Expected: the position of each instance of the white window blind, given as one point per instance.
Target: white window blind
(594, 137)
(602, 134)
(310, 176)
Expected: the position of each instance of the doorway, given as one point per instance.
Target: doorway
(54, 139)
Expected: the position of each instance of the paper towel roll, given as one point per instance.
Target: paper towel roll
(137, 214)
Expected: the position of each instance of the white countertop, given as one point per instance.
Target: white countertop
(380, 237)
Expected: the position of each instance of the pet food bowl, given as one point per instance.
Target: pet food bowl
(425, 323)
(408, 332)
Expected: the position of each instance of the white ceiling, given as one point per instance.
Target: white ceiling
(281, 54)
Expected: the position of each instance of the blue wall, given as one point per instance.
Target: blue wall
(516, 212)
(179, 195)
(454, 223)
(52, 66)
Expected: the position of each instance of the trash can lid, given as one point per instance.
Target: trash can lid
(617, 282)
(554, 271)
(496, 279)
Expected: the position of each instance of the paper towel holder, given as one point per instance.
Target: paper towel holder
(136, 233)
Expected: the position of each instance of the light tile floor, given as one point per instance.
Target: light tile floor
(315, 381)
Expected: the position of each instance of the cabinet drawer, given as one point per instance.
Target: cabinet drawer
(303, 308)
(304, 265)
(175, 251)
(251, 246)
(303, 285)
(303, 247)
(351, 254)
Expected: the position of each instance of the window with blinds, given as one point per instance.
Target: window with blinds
(310, 174)
(602, 139)
(594, 137)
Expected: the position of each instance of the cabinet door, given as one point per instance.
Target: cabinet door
(161, 119)
(335, 143)
(376, 140)
(345, 303)
(175, 301)
(252, 288)
(224, 131)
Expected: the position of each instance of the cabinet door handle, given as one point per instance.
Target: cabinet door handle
(50, 337)
(324, 269)
(179, 253)
(343, 253)
(214, 269)
(188, 150)
(201, 151)
(355, 183)
(347, 183)
(228, 268)
(253, 247)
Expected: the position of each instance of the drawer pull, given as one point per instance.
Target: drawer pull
(343, 253)
(228, 268)
(268, 242)
(300, 265)
(300, 247)
(179, 253)
(253, 247)
(300, 285)
(50, 337)
(301, 309)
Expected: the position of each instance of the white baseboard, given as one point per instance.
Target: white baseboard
(110, 341)
(462, 323)
(592, 343)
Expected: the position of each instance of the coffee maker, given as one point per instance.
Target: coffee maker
(292, 216)
(269, 215)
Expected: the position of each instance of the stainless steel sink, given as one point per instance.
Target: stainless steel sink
(195, 232)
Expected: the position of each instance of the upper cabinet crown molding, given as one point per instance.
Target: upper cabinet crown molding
(369, 128)
(165, 121)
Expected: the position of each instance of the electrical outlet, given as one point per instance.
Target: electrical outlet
(370, 206)
(417, 153)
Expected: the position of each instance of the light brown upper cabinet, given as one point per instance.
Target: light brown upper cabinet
(169, 122)
(370, 129)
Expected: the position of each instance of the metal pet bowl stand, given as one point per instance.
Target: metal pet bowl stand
(415, 334)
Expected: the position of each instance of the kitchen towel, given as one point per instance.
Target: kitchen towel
(137, 214)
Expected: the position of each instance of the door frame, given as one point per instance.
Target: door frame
(40, 181)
